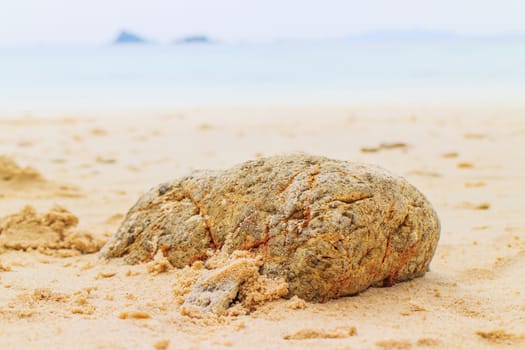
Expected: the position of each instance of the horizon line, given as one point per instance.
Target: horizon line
(372, 35)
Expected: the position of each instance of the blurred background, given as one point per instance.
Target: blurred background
(59, 56)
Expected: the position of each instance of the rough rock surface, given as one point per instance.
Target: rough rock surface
(329, 228)
(230, 285)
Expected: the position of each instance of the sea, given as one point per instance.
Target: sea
(290, 73)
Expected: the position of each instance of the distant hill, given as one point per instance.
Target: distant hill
(430, 36)
(126, 37)
(407, 35)
(194, 39)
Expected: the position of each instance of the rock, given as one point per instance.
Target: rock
(216, 289)
(231, 284)
(329, 228)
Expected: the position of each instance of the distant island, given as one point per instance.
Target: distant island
(194, 39)
(126, 37)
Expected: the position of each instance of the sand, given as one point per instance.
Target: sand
(66, 183)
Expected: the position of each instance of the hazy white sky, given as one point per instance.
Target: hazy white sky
(64, 22)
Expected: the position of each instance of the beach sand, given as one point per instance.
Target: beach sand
(57, 294)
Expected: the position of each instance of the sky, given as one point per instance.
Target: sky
(94, 22)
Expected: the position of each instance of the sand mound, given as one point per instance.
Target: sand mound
(15, 181)
(50, 233)
(10, 171)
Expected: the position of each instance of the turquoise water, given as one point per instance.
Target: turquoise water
(294, 73)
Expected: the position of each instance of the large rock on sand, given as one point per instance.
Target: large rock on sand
(329, 228)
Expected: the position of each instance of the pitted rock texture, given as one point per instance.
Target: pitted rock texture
(329, 228)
